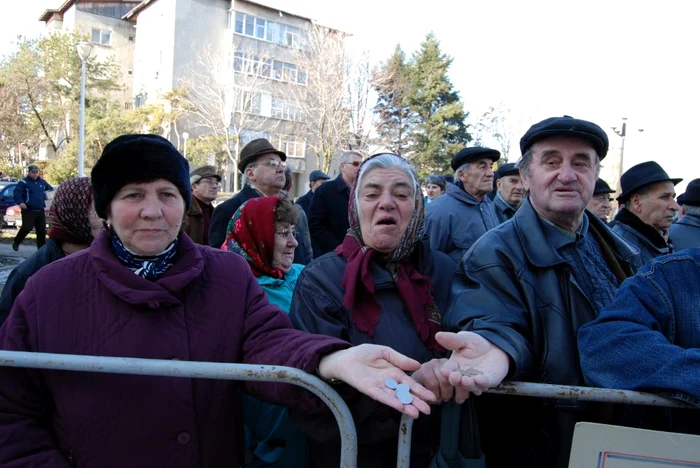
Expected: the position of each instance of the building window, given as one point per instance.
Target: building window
(286, 109)
(128, 105)
(292, 146)
(270, 31)
(268, 68)
(101, 36)
(130, 72)
(249, 135)
(131, 38)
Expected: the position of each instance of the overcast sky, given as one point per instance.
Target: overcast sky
(599, 60)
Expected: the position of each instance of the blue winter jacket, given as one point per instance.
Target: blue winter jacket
(31, 192)
(455, 220)
(685, 234)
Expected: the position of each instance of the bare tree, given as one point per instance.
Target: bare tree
(496, 124)
(359, 83)
(322, 95)
(223, 98)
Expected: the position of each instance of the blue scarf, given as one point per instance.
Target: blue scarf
(151, 267)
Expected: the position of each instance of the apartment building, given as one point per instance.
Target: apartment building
(244, 48)
(110, 35)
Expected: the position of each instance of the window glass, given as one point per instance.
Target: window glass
(260, 28)
(239, 22)
(249, 23)
(106, 36)
(96, 35)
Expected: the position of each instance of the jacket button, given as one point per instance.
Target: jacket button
(184, 438)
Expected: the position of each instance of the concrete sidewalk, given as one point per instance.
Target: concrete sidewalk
(9, 259)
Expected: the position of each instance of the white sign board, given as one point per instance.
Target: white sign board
(603, 446)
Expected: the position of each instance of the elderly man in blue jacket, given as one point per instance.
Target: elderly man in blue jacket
(530, 284)
(454, 221)
(30, 195)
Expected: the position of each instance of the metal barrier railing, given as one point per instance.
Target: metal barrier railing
(562, 392)
(200, 370)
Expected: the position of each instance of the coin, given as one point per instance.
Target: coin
(391, 383)
(405, 398)
(403, 388)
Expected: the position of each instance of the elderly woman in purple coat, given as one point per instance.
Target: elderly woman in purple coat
(144, 289)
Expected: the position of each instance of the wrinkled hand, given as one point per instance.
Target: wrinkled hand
(430, 376)
(366, 367)
(476, 364)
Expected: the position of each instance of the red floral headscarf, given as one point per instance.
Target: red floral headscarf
(251, 234)
(415, 289)
(69, 212)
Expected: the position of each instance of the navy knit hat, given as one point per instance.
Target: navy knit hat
(135, 159)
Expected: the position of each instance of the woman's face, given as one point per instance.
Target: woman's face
(285, 243)
(147, 216)
(433, 191)
(385, 205)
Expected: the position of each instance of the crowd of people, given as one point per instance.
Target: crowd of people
(449, 285)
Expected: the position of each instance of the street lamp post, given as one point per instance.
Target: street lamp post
(622, 133)
(185, 136)
(84, 49)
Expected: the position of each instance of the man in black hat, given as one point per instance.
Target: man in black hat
(530, 284)
(510, 192)
(316, 179)
(600, 203)
(205, 187)
(464, 213)
(328, 213)
(30, 195)
(649, 197)
(262, 167)
(685, 234)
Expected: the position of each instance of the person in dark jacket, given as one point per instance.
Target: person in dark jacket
(648, 339)
(74, 224)
(649, 197)
(143, 289)
(455, 220)
(600, 203)
(205, 187)
(531, 283)
(510, 192)
(316, 179)
(328, 215)
(30, 195)
(382, 285)
(685, 233)
(263, 168)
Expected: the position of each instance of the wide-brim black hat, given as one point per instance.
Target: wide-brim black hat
(507, 169)
(257, 148)
(602, 187)
(472, 154)
(641, 175)
(691, 196)
(566, 126)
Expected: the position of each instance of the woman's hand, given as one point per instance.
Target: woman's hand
(366, 367)
(430, 376)
(476, 364)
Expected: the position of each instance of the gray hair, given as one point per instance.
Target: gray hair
(345, 157)
(692, 210)
(244, 177)
(463, 168)
(386, 161)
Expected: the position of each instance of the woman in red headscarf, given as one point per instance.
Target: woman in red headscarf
(74, 224)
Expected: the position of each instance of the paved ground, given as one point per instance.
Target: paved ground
(9, 259)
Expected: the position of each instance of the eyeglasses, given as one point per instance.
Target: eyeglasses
(273, 163)
(286, 233)
(210, 182)
(354, 163)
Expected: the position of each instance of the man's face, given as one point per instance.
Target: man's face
(268, 174)
(349, 169)
(657, 207)
(600, 206)
(206, 189)
(34, 174)
(477, 178)
(561, 179)
(316, 184)
(511, 189)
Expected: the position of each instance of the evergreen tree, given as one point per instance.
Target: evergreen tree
(440, 131)
(394, 119)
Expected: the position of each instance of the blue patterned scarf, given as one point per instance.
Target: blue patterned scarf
(151, 267)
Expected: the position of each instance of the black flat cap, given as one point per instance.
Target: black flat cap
(566, 126)
(507, 169)
(602, 187)
(472, 154)
(641, 175)
(318, 175)
(692, 194)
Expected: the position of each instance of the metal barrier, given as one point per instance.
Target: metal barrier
(200, 370)
(563, 392)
